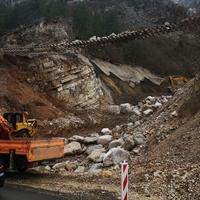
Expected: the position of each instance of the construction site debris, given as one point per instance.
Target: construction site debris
(72, 148)
(115, 156)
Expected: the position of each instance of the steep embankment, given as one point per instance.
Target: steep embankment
(126, 83)
(169, 165)
(182, 143)
(18, 94)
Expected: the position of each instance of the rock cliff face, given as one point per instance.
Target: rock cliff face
(70, 78)
(76, 80)
(88, 84)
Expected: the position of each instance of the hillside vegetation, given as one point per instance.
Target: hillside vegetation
(177, 54)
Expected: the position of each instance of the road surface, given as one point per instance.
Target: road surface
(13, 193)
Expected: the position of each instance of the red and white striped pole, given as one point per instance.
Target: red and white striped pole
(124, 181)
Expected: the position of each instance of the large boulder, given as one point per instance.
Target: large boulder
(96, 168)
(80, 169)
(151, 99)
(129, 144)
(91, 148)
(126, 108)
(97, 155)
(116, 143)
(71, 166)
(136, 111)
(139, 139)
(90, 140)
(113, 109)
(76, 138)
(72, 148)
(104, 140)
(157, 105)
(115, 156)
(94, 135)
(148, 112)
(60, 165)
(174, 114)
(136, 124)
(106, 131)
(41, 169)
(133, 118)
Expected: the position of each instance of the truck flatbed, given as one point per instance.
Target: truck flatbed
(34, 150)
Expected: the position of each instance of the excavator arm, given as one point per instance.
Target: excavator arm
(5, 129)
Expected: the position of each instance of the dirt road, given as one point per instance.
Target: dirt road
(73, 187)
(15, 193)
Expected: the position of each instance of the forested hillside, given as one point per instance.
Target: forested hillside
(177, 54)
(91, 17)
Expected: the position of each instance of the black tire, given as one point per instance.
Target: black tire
(22, 169)
(21, 164)
(2, 180)
(2, 174)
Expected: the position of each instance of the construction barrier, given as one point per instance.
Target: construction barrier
(124, 181)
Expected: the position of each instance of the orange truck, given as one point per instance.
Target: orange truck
(22, 153)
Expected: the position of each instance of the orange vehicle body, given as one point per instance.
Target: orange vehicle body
(5, 129)
(22, 153)
(34, 150)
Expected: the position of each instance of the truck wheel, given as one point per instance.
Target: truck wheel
(21, 163)
(2, 174)
(22, 169)
(2, 179)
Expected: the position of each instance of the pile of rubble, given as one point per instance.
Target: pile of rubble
(162, 146)
(67, 122)
(144, 108)
(107, 149)
(93, 153)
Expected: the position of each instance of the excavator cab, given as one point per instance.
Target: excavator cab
(22, 126)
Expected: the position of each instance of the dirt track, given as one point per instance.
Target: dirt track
(74, 187)
(16, 193)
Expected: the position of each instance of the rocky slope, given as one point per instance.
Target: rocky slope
(161, 142)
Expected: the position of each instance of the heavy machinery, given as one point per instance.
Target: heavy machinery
(21, 125)
(176, 82)
(20, 153)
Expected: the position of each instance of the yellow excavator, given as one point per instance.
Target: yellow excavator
(21, 125)
(176, 82)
